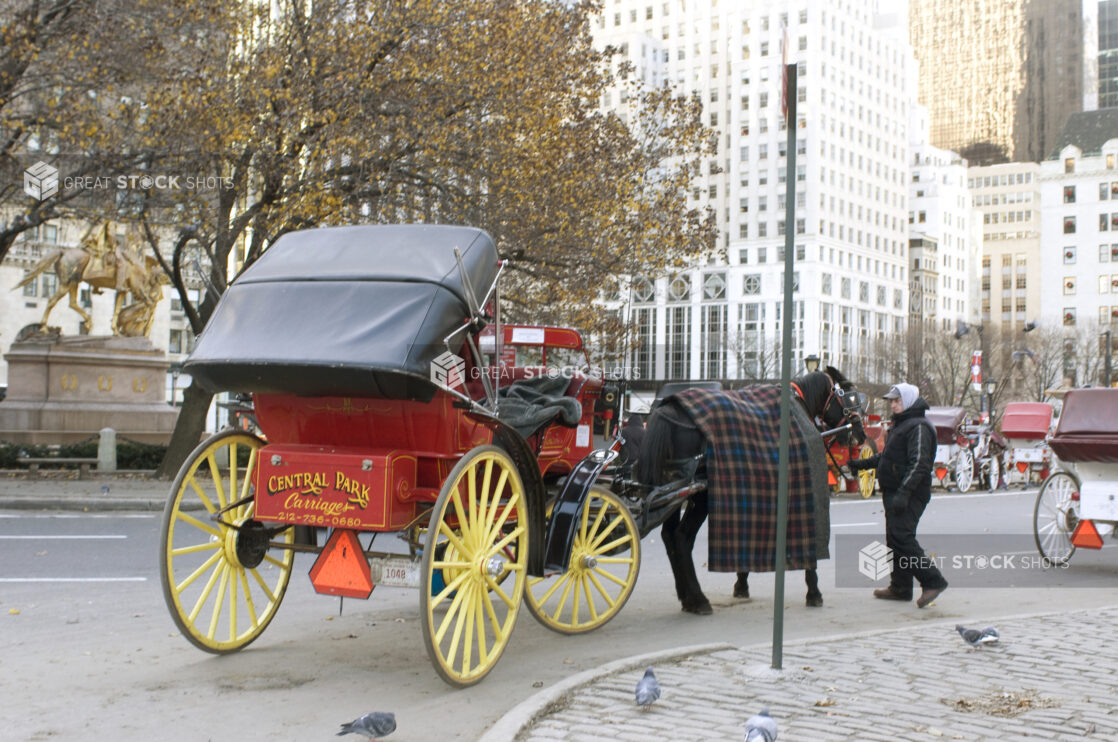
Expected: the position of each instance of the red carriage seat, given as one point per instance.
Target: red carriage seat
(1026, 420)
(946, 421)
(1088, 428)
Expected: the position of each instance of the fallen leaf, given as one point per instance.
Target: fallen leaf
(13, 611)
(537, 684)
(825, 702)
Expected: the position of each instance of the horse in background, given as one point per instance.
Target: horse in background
(674, 448)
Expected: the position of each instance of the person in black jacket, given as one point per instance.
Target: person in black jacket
(904, 470)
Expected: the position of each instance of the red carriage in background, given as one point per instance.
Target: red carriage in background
(840, 451)
(1025, 426)
(384, 408)
(965, 453)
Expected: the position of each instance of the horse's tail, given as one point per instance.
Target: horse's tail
(40, 267)
(656, 448)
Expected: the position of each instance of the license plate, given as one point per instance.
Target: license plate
(1032, 455)
(395, 572)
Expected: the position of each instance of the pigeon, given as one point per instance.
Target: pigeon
(760, 728)
(373, 725)
(976, 637)
(648, 689)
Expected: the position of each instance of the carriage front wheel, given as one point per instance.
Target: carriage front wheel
(220, 583)
(964, 470)
(604, 562)
(477, 538)
(1055, 517)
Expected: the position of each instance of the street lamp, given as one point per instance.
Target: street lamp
(811, 363)
(989, 387)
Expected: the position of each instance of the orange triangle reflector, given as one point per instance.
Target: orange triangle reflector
(1086, 536)
(1022, 466)
(831, 479)
(941, 472)
(341, 568)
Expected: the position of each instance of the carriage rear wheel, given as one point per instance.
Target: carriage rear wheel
(604, 562)
(993, 471)
(964, 470)
(220, 583)
(1055, 517)
(867, 478)
(476, 539)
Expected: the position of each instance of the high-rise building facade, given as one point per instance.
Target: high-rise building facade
(945, 245)
(1079, 226)
(1008, 198)
(855, 88)
(1000, 78)
(1108, 54)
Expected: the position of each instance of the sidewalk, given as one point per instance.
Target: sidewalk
(62, 490)
(1051, 677)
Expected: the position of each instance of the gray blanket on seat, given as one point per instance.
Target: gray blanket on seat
(528, 404)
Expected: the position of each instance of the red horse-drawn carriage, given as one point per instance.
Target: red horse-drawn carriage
(1025, 427)
(374, 359)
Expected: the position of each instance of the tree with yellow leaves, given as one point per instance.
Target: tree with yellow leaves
(262, 118)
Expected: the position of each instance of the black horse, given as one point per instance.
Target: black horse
(673, 442)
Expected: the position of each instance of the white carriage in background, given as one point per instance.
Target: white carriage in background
(1078, 505)
(954, 463)
(1025, 428)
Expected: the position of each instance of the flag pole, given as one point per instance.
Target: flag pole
(787, 319)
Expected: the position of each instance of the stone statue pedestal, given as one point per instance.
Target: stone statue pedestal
(64, 390)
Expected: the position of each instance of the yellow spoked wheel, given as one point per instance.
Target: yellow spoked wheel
(605, 560)
(221, 585)
(867, 478)
(477, 538)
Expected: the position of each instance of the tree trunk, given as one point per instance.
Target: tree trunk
(188, 430)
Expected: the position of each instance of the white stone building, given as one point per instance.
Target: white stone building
(1009, 201)
(1079, 232)
(856, 87)
(941, 219)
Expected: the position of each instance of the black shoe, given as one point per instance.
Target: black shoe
(886, 593)
(927, 595)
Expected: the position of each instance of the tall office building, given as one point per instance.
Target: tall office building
(856, 84)
(1008, 197)
(1108, 53)
(1000, 78)
(945, 244)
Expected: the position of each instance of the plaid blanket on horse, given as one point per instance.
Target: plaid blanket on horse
(742, 429)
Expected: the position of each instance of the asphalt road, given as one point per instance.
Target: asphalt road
(90, 651)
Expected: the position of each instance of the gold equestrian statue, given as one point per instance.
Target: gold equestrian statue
(105, 264)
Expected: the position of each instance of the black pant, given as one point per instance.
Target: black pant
(909, 560)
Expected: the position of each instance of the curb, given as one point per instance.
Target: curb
(33, 502)
(524, 713)
(521, 716)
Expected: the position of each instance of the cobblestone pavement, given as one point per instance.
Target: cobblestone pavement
(1052, 677)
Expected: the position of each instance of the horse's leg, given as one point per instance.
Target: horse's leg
(692, 597)
(814, 597)
(87, 321)
(668, 533)
(118, 305)
(741, 587)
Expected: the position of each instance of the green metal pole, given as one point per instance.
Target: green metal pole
(785, 369)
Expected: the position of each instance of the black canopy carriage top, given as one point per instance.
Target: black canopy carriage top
(346, 311)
